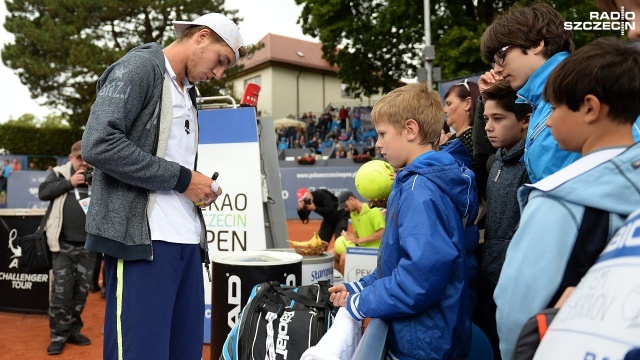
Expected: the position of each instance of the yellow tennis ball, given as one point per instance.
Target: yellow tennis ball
(341, 244)
(373, 180)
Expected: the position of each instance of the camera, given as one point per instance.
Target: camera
(307, 201)
(88, 176)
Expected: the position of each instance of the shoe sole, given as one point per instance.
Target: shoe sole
(54, 352)
(79, 344)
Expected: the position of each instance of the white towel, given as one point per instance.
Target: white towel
(340, 342)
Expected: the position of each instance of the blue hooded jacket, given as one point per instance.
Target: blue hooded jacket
(472, 236)
(420, 286)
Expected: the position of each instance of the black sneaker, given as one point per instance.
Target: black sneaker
(79, 340)
(55, 348)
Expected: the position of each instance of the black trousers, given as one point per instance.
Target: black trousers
(331, 228)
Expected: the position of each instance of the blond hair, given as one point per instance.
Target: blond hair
(413, 101)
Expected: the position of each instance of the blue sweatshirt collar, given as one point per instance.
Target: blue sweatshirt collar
(531, 92)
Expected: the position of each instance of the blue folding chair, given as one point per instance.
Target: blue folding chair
(480, 345)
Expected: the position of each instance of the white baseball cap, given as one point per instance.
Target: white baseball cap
(222, 25)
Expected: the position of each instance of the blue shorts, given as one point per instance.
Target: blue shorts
(155, 309)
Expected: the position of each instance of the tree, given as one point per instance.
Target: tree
(25, 120)
(62, 46)
(376, 43)
(51, 121)
(55, 121)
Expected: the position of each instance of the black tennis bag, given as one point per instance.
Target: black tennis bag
(280, 322)
(36, 256)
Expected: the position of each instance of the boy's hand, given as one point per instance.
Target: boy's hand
(339, 295)
(488, 79)
(565, 295)
(340, 299)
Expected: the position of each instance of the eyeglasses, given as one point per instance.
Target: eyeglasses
(465, 83)
(498, 58)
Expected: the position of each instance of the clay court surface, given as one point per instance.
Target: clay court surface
(26, 336)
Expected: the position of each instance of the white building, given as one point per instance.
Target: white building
(294, 79)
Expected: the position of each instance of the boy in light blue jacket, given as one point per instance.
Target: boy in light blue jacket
(594, 96)
(525, 45)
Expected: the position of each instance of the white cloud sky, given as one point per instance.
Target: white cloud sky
(260, 17)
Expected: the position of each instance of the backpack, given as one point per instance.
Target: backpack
(532, 333)
(280, 322)
(591, 240)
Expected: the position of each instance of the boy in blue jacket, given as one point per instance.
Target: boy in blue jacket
(594, 96)
(420, 286)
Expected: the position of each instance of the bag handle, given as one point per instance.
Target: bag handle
(43, 223)
(299, 298)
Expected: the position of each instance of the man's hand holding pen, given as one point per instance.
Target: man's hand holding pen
(203, 190)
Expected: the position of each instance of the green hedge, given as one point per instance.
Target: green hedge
(38, 141)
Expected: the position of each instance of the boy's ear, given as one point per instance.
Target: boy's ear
(538, 48)
(591, 108)
(525, 122)
(412, 129)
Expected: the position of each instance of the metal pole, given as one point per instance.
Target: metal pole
(427, 35)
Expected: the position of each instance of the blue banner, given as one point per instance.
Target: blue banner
(22, 190)
(224, 126)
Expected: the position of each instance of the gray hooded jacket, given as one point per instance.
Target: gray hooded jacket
(125, 140)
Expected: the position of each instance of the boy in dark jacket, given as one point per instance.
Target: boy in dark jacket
(506, 125)
(421, 284)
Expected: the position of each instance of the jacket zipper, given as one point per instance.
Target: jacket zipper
(499, 172)
(536, 132)
(154, 151)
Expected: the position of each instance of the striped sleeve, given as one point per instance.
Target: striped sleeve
(352, 306)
